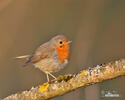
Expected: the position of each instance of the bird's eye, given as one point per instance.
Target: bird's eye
(60, 42)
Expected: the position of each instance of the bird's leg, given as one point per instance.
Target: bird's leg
(52, 76)
(47, 77)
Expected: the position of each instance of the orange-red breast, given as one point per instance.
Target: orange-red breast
(51, 56)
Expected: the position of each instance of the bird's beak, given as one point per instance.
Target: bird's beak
(69, 42)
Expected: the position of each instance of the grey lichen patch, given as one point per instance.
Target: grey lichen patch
(124, 66)
(32, 94)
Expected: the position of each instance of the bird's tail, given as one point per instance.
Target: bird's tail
(24, 57)
(21, 57)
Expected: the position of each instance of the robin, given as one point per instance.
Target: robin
(51, 56)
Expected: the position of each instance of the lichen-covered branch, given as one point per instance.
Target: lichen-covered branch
(69, 83)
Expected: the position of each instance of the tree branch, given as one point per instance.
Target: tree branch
(69, 83)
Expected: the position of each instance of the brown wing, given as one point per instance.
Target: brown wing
(44, 51)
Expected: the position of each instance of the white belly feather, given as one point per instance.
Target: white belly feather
(50, 65)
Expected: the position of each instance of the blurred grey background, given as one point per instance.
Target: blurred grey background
(96, 27)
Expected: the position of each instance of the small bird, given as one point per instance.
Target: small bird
(51, 56)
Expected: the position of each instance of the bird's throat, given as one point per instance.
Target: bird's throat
(63, 54)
